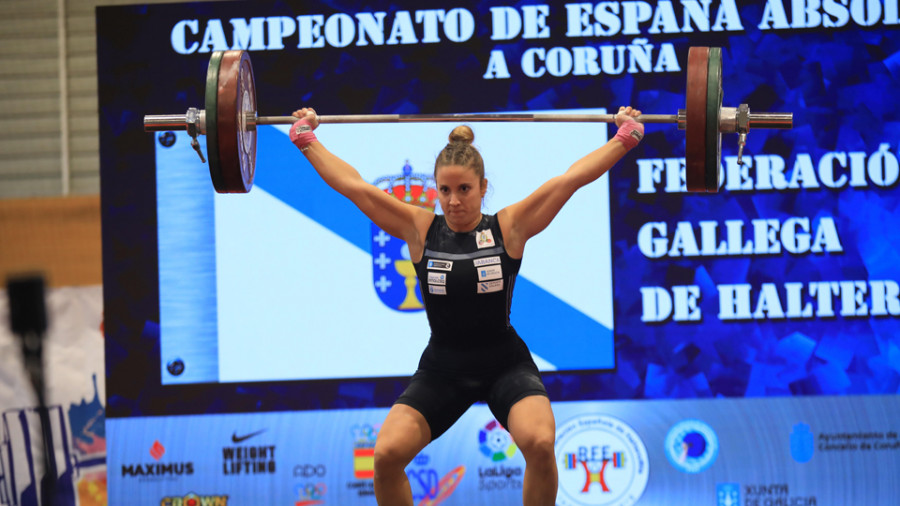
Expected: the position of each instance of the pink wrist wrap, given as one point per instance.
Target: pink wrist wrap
(630, 134)
(302, 134)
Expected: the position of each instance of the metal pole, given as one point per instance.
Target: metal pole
(461, 118)
(65, 169)
(164, 122)
(159, 123)
(778, 120)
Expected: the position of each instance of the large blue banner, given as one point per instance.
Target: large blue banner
(733, 347)
(786, 281)
(725, 452)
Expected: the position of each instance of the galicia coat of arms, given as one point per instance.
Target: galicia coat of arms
(393, 273)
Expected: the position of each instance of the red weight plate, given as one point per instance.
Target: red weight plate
(695, 119)
(235, 118)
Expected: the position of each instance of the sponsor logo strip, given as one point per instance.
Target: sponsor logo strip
(490, 286)
(437, 278)
(440, 265)
(479, 262)
(437, 290)
(484, 239)
(490, 272)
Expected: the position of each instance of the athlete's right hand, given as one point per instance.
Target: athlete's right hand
(309, 114)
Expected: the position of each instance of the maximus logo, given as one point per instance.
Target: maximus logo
(158, 470)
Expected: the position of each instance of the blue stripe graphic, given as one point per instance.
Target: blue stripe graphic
(553, 329)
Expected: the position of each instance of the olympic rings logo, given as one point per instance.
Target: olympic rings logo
(365, 433)
(310, 491)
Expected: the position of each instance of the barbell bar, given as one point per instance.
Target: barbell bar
(230, 119)
(164, 122)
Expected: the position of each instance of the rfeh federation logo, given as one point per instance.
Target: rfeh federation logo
(393, 273)
(602, 462)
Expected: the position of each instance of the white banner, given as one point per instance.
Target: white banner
(75, 396)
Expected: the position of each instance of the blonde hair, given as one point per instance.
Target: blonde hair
(460, 151)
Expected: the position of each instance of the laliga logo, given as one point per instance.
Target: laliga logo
(393, 273)
(495, 442)
(602, 462)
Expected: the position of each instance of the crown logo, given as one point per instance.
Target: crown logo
(416, 189)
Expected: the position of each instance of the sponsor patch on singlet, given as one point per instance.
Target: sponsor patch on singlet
(490, 272)
(437, 290)
(440, 265)
(484, 238)
(486, 261)
(437, 278)
(490, 286)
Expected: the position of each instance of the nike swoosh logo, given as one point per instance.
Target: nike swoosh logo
(237, 439)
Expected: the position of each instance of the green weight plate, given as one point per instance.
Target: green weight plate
(212, 137)
(695, 118)
(713, 164)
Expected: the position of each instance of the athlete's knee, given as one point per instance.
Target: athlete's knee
(389, 457)
(537, 446)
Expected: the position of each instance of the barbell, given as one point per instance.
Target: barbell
(230, 118)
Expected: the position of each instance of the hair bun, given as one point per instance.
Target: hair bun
(462, 133)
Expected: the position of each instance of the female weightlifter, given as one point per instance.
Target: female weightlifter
(466, 263)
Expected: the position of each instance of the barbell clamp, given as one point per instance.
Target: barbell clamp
(742, 129)
(195, 124)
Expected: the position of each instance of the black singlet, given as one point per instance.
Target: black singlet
(467, 281)
(474, 354)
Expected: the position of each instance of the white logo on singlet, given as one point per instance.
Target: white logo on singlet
(490, 286)
(490, 272)
(486, 261)
(484, 239)
(440, 265)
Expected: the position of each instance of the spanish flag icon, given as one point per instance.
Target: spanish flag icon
(364, 463)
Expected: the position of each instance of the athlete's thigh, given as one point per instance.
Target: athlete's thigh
(403, 433)
(440, 398)
(531, 421)
(519, 382)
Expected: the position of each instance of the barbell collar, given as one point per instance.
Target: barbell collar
(728, 120)
(165, 122)
(729, 124)
(776, 120)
